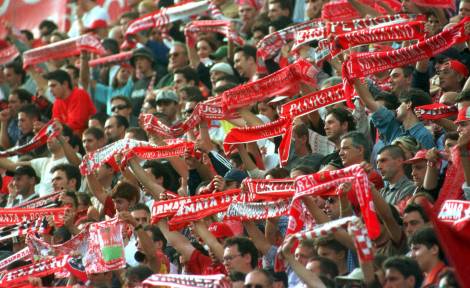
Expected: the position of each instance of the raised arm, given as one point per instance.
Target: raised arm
(309, 278)
(202, 231)
(96, 188)
(258, 238)
(153, 187)
(177, 240)
(365, 95)
(392, 227)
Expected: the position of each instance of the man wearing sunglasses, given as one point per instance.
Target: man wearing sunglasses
(121, 105)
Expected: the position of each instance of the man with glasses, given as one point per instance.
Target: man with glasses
(240, 255)
(121, 105)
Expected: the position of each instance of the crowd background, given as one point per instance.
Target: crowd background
(89, 107)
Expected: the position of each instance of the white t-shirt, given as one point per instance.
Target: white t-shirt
(88, 18)
(42, 167)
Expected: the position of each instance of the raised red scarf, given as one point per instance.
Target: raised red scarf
(453, 210)
(49, 200)
(24, 253)
(41, 268)
(203, 206)
(395, 32)
(342, 10)
(257, 210)
(187, 281)
(46, 132)
(322, 181)
(63, 49)
(161, 18)
(8, 54)
(111, 59)
(283, 82)
(157, 152)
(92, 161)
(435, 111)
(268, 189)
(454, 178)
(39, 247)
(223, 27)
(283, 126)
(436, 3)
(11, 216)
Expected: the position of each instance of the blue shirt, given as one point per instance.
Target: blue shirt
(390, 129)
(103, 94)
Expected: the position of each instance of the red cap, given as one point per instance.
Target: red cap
(464, 115)
(220, 230)
(97, 24)
(420, 155)
(458, 67)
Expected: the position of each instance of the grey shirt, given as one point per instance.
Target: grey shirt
(399, 191)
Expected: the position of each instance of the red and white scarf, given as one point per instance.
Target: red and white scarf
(42, 268)
(11, 216)
(49, 201)
(48, 131)
(343, 10)
(63, 49)
(24, 253)
(161, 18)
(111, 59)
(223, 27)
(257, 210)
(435, 111)
(186, 281)
(8, 54)
(436, 3)
(268, 189)
(92, 161)
(157, 152)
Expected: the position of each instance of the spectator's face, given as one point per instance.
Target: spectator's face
(178, 58)
(402, 111)
(449, 144)
(256, 279)
(266, 110)
(349, 153)
(241, 64)
(95, 123)
(143, 64)
(141, 216)
(25, 123)
(398, 81)
(188, 109)
(333, 128)
(12, 78)
(61, 182)
(247, 13)
(394, 279)
(112, 131)
(90, 143)
(58, 90)
(332, 208)
(313, 8)
(463, 127)
(257, 36)
(424, 256)
(412, 221)
(464, 9)
(203, 49)
(408, 6)
(14, 104)
(388, 166)
(121, 204)
(303, 254)
(418, 170)
(23, 184)
(449, 80)
(168, 108)
(216, 75)
(179, 81)
(123, 75)
(120, 107)
(330, 254)
(234, 261)
(275, 11)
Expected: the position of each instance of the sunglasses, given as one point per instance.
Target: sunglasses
(331, 200)
(119, 107)
(176, 54)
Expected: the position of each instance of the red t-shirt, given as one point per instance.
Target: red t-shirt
(75, 110)
(200, 264)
